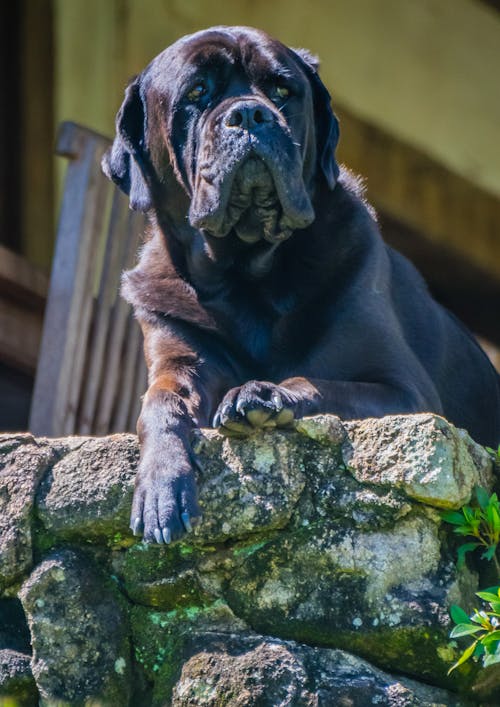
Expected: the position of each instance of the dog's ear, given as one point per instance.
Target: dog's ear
(126, 162)
(327, 125)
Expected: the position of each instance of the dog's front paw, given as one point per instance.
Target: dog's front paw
(165, 499)
(255, 405)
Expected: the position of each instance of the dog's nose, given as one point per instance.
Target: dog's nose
(248, 115)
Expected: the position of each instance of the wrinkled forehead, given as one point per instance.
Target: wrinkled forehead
(253, 51)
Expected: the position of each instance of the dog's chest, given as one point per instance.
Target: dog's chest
(267, 328)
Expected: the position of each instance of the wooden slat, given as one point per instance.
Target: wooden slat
(95, 211)
(111, 368)
(472, 293)
(69, 281)
(20, 335)
(118, 326)
(444, 208)
(91, 366)
(23, 290)
(130, 368)
(20, 280)
(108, 289)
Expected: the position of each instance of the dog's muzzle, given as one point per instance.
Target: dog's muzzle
(250, 179)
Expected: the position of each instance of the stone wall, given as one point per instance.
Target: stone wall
(320, 574)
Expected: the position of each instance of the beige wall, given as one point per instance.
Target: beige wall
(426, 71)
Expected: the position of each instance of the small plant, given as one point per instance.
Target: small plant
(481, 522)
(483, 625)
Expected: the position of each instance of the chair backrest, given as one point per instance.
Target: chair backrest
(91, 371)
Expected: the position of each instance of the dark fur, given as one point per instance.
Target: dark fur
(265, 291)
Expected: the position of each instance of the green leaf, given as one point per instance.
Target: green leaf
(479, 650)
(465, 656)
(465, 630)
(496, 518)
(493, 517)
(458, 615)
(488, 596)
(453, 517)
(493, 590)
(491, 659)
(479, 619)
(463, 550)
(490, 647)
(466, 529)
(491, 637)
(483, 497)
(468, 547)
(469, 514)
(489, 553)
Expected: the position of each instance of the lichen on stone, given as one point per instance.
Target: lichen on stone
(313, 542)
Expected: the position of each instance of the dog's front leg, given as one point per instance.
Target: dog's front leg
(179, 398)
(259, 404)
(165, 499)
(402, 393)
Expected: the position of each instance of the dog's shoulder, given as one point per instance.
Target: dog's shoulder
(156, 290)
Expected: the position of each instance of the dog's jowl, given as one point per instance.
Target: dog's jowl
(265, 291)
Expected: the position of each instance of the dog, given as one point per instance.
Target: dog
(265, 291)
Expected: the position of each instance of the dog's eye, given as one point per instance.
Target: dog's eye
(282, 92)
(197, 92)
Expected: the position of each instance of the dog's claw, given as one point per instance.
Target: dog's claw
(158, 536)
(167, 535)
(240, 407)
(216, 420)
(136, 528)
(187, 522)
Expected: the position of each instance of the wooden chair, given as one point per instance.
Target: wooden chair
(91, 371)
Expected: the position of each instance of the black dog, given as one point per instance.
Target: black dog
(265, 291)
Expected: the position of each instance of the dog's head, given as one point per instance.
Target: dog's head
(242, 122)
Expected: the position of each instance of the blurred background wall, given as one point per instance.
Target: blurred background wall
(415, 83)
